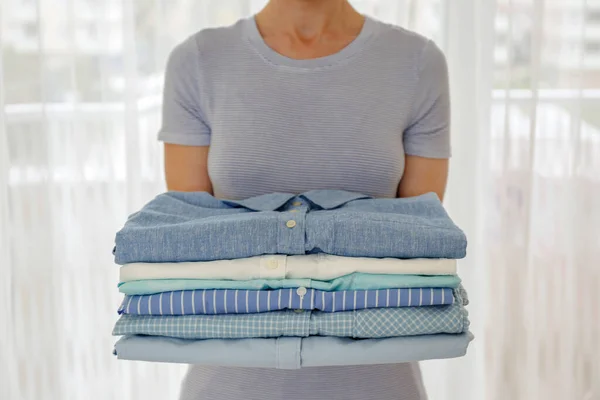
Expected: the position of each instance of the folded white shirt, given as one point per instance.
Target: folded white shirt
(312, 266)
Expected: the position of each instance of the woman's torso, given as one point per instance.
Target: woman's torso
(283, 125)
(371, 382)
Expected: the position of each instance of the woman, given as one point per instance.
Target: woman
(307, 94)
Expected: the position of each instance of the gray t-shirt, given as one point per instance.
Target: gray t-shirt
(276, 124)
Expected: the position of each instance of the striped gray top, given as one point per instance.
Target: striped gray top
(275, 124)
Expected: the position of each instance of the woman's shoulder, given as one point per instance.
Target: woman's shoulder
(210, 41)
(404, 43)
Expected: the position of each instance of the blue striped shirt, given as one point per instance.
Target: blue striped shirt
(190, 302)
(370, 323)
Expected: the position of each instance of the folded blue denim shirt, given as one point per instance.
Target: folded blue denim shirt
(181, 226)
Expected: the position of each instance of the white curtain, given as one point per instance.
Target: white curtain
(80, 84)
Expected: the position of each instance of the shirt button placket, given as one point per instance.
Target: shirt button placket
(273, 266)
(291, 232)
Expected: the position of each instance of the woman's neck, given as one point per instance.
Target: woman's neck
(309, 20)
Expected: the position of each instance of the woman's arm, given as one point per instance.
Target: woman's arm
(186, 168)
(427, 137)
(423, 175)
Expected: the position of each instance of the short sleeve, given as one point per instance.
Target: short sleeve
(183, 121)
(428, 131)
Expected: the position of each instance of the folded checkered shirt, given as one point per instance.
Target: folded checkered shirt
(371, 323)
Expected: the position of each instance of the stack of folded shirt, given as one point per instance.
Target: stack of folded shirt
(286, 281)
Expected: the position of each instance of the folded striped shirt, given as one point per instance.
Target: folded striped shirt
(370, 323)
(256, 301)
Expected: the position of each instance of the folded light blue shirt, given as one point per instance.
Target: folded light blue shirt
(292, 352)
(180, 226)
(355, 281)
(202, 302)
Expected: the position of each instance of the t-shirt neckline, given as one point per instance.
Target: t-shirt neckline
(253, 34)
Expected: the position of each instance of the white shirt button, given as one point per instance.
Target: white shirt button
(291, 223)
(296, 203)
(272, 264)
(293, 210)
(298, 311)
(301, 291)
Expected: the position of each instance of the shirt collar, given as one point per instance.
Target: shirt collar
(265, 202)
(330, 199)
(325, 199)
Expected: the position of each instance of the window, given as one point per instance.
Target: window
(593, 16)
(92, 31)
(592, 46)
(30, 30)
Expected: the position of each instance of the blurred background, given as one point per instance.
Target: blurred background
(80, 98)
